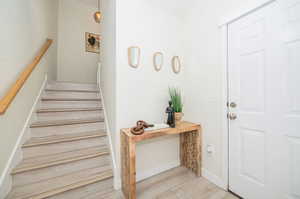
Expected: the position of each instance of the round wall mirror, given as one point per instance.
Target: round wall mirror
(134, 54)
(176, 64)
(158, 61)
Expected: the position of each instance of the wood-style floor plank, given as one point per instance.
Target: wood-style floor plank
(178, 183)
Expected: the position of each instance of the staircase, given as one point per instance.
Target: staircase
(67, 156)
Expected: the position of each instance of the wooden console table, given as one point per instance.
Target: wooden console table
(190, 152)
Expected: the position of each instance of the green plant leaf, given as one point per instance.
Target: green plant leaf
(176, 99)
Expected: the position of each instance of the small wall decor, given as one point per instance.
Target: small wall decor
(176, 64)
(92, 43)
(134, 54)
(158, 61)
(98, 14)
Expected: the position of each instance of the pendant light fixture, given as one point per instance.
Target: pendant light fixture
(98, 15)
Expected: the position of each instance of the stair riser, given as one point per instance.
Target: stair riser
(71, 86)
(68, 90)
(62, 147)
(68, 110)
(104, 186)
(54, 171)
(69, 129)
(61, 104)
(69, 115)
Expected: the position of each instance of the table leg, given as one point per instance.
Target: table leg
(190, 151)
(128, 170)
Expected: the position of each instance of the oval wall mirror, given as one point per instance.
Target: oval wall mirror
(134, 54)
(158, 61)
(176, 64)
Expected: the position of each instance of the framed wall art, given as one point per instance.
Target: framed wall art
(92, 43)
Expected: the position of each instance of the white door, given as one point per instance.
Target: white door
(264, 84)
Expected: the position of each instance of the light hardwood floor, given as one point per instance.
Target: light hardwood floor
(178, 183)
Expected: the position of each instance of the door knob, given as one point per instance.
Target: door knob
(232, 116)
(233, 105)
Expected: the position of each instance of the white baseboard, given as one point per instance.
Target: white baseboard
(214, 179)
(117, 183)
(16, 155)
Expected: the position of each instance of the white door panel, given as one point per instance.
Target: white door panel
(264, 82)
(291, 94)
(294, 174)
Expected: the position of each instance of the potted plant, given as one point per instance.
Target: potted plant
(177, 104)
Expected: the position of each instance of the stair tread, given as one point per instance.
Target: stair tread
(75, 96)
(61, 184)
(71, 86)
(49, 110)
(65, 122)
(63, 138)
(38, 162)
(97, 191)
(73, 90)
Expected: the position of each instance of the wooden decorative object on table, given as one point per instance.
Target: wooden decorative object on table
(140, 127)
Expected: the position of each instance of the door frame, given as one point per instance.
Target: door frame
(223, 26)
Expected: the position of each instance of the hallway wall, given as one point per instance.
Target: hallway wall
(25, 25)
(203, 45)
(74, 63)
(108, 64)
(189, 29)
(142, 93)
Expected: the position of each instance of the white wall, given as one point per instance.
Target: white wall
(188, 29)
(142, 93)
(108, 65)
(203, 86)
(74, 63)
(25, 25)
